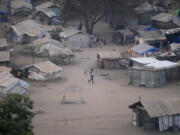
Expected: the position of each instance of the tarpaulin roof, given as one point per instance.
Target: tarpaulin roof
(162, 64)
(143, 48)
(16, 4)
(3, 42)
(145, 60)
(4, 56)
(47, 67)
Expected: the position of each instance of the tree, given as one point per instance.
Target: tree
(92, 11)
(16, 115)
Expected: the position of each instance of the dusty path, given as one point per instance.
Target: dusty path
(106, 111)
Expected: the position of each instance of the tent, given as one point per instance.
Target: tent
(10, 84)
(44, 71)
(75, 39)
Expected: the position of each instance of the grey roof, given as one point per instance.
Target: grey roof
(16, 4)
(152, 35)
(45, 5)
(141, 48)
(159, 108)
(110, 55)
(69, 32)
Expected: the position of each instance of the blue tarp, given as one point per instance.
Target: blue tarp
(149, 29)
(176, 39)
(151, 50)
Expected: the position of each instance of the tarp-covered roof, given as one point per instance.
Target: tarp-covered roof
(155, 35)
(143, 48)
(146, 7)
(29, 27)
(47, 67)
(69, 32)
(110, 55)
(8, 81)
(45, 5)
(4, 56)
(162, 64)
(3, 42)
(16, 4)
(144, 60)
(159, 108)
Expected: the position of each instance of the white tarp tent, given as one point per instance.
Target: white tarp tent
(10, 84)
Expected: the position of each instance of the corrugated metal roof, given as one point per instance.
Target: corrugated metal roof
(163, 107)
(162, 64)
(145, 60)
(110, 55)
(29, 27)
(16, 4)
(3, 42)
(4, 56)
(47, 67)
(69, 32)
(142, 48)
(152, 35)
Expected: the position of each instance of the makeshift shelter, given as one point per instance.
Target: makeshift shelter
(140, 62)
(173, 35)
(154, 74)
(3, 44)
(145, 11)
(4, 58)
(20, 7)
(155, 38)
(53, 49)
(27, 31)
(44, 71)
(108, 60)
(123, 37)
(48, 13)
(10, 84)
(162, 114)
(175, 48)
(75, 39)
(165, 21)
(142, 49)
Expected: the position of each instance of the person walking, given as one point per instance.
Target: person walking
(91, 76)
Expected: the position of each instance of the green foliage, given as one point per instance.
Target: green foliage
(16, 115)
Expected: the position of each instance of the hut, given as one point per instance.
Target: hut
(47, 47)
(44, 71)
(75, 39)
(123, 37)
(48, 13)
(140, 62)
(142, 49)
(27, 31)
(165, 21)
(154, 74)
(145, 11)
(108, 60)
(154, 38)
(10, 84)
(20, 7)
(4, 58)
(161, 115)
(3, 44)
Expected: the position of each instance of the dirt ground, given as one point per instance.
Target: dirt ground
(106, 110)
